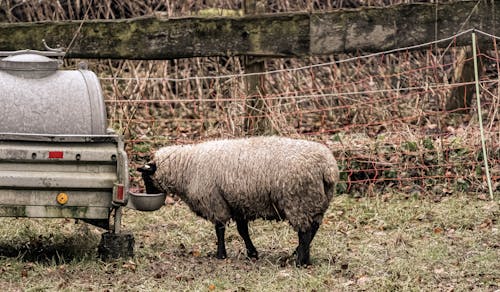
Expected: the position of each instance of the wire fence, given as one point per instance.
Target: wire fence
(403, 120)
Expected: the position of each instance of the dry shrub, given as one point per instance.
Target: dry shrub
(17, 10)
(384, 117)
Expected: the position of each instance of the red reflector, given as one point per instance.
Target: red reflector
(56, 154)
(119, 193)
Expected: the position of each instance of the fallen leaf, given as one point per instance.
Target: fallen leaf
(130, 265)
(447, 191)
(363, 280)
(438, 230)
(181, 277)
(284, 274)
(482, 197)
(487, 223)
(169, 201)
(211, 287)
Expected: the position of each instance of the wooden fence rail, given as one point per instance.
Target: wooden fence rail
(272, 35)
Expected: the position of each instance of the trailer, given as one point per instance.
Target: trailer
(58, 159)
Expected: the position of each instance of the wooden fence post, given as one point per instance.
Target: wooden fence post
(256, 121)
(461, 96)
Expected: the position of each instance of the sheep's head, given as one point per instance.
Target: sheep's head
(147, 171)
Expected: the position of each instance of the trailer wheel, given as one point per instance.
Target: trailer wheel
(116, 245)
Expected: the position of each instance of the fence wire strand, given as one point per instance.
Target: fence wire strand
(398, 120)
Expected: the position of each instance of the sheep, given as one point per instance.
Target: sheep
(273, 178)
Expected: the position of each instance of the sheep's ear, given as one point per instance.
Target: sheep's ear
(149, 168)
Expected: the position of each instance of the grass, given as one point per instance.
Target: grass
(385, 243)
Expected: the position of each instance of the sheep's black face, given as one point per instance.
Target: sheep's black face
(147, 171)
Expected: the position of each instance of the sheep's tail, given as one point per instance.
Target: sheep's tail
(330, 179)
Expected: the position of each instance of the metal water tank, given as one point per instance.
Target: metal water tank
(36, 97)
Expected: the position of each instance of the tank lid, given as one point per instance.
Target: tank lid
(28, 61)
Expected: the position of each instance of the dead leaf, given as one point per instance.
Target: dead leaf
(130, 265)
(169, 201)
(438, 230)
(487, 223)
(284, 274)
(482, 197)
(431, 126)
(211, 287)
(185, 278)
(363, 280)
(447, 191)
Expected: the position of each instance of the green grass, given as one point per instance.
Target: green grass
(390, 243)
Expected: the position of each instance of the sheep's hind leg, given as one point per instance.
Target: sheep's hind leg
(314, 229)
(303, 250)
(242, 226)
(220, 229)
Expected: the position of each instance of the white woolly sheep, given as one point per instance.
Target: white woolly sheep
(273, 178)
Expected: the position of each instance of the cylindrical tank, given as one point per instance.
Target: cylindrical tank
(38, 98)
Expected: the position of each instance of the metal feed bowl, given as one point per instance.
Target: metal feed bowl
(146, 202)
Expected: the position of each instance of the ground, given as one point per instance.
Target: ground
(387, 242)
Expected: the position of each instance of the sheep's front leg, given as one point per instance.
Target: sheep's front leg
(303, 250)
(242, 226)
(220, 229)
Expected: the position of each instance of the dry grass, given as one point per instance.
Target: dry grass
(14, 10)
(426, 237)
(391, 243)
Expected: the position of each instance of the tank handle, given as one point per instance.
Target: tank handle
(50, 52)
(43, 53)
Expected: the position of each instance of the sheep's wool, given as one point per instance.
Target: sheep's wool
(260, 177)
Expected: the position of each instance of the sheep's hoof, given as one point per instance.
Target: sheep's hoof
(252, 254)
(302, 263)
(221, 256)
